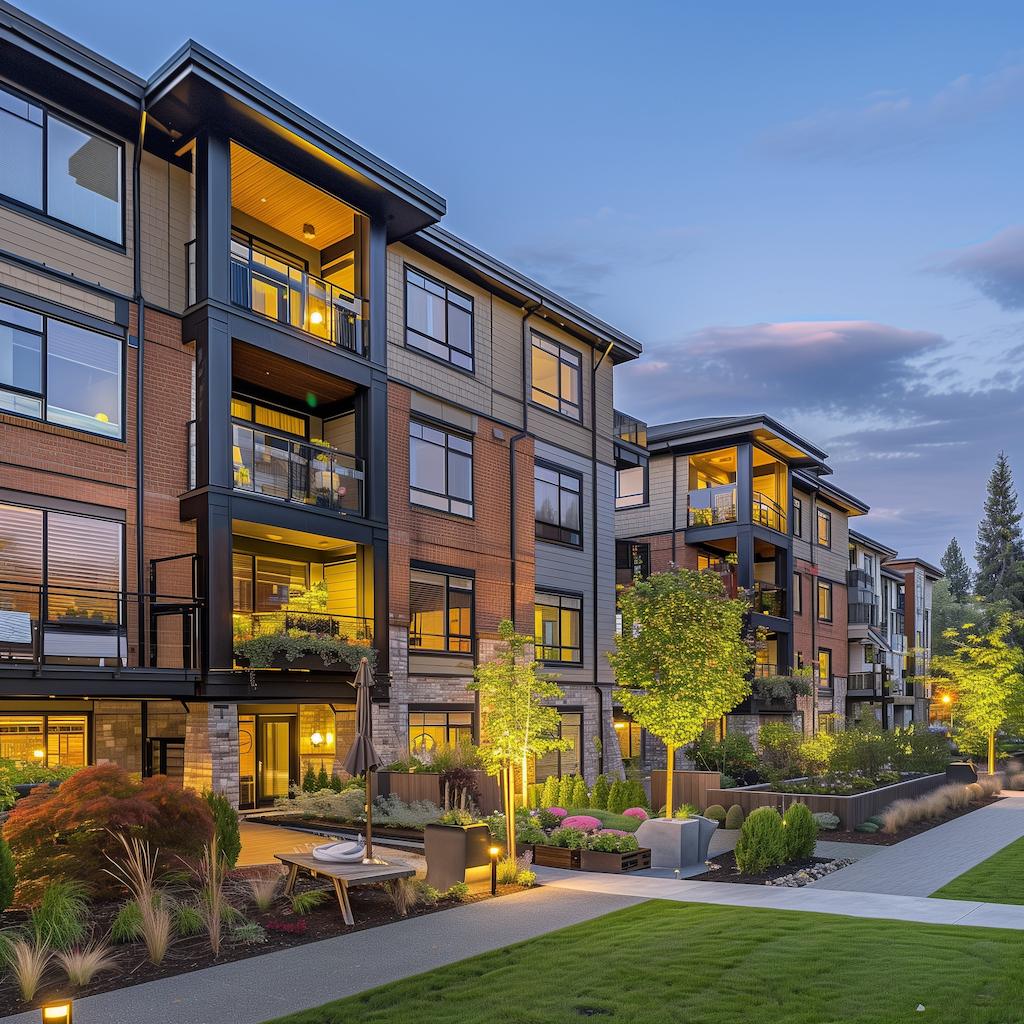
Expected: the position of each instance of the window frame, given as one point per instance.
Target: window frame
(645, 494)
(471, 369)
(574, 709)
(441, 709)
(42, 212)
(42, 395)
(559, 595)
(88, 750)
(446, 573)
(824, 587)
(823, 515)
(829, 683)
(449, 432)
(562, 540)
(798, 593)
(798, 516)
(561, 348)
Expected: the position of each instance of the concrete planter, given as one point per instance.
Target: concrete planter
(676, 842)
(456, 853)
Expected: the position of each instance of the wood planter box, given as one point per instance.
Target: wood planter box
(614, 863)
(456, 853)
(556, 857)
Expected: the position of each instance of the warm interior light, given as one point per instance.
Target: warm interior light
(620, 725)
(316, 739)
(102, 417)
(316, 317)
(39, 754)
(330, 738)
(273, 536)
(946, 698)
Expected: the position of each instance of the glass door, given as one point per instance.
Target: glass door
(274, 756)
(246, 762)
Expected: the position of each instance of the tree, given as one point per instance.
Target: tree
(682, 659)
(958, 573)
(1000, 548)
(986, 671)
(516, 725)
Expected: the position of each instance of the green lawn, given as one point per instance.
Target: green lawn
(676, 963)
(1000, 879)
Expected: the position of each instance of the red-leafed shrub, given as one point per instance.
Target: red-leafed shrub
(65, 833)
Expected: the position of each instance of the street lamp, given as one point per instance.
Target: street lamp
(494, 851)
(948, 701)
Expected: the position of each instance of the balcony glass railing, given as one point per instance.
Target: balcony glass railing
(863, 613)
(289, 295)
(861, 681)
(711, 506)
(769, 599)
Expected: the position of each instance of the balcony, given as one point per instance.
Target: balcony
(768, 599)
(711, 506)
(864, 683)
(301, 640)
(862, 613)
(768, 512)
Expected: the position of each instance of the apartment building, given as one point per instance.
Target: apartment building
(250, 395)
(919, 577)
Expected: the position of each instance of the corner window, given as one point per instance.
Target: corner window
(824, 601)
(556, 498)
(433, 730)
(83, 171)
(798, 595)
(557, 628)
(440, 469)
(631, 487)
(824, 528)
(557, 376)
(824, 668)
(438, 320)
(440, 612)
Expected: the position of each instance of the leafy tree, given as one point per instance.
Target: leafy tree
(1000, 548)
(517, 725)
(986, 671)
(958, 573)
(682, 659)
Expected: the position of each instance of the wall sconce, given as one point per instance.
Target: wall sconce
(57, 1012)
(316, 739)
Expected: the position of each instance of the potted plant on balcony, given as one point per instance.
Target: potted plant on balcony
(242, 476)
(296, 649)
(782, 690)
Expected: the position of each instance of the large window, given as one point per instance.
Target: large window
(59, 372)
(563, 762)
(49, 740)
(557, 627)
(440, 612)
(557, 376)
(432, 730)
(824, 528)
(631, 486)
(266, 584)
(82, 181)
(824, 668)
(440, 469)
(556, 495)
(824, 601)
(438, 320)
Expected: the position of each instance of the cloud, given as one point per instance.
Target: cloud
(891, 122)
(995, 268)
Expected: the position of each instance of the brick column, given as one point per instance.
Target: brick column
(211, 750)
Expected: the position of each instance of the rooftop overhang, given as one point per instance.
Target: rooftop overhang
(865, 541)
(196, 90)
(50, 64)
(932, 572)
(489, 273)
(835, 496)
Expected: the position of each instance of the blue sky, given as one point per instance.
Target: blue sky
(807, 209)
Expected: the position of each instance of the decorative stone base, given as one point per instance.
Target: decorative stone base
(211, 749)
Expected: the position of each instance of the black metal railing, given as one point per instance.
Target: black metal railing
(768, 512)
(768, 599)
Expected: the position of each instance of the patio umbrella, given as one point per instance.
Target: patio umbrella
(362, 757)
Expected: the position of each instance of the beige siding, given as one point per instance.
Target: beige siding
(43, 287)
(656, 516)
(802, 542)
(166, 220)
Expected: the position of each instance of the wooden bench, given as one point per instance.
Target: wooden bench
(342, 875)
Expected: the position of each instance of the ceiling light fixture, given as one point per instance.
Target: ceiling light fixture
(308, 232)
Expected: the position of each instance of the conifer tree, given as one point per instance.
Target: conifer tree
(958, 573)
(1000, 548)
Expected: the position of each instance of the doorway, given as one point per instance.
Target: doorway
(268, 758)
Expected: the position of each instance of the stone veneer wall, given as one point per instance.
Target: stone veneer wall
(211, 749)
(117, 733)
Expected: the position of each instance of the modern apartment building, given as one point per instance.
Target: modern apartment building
(250, 393)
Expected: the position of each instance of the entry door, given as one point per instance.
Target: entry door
(274, 763)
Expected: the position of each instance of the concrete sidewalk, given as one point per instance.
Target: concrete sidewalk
(924, 863)
(264, 987)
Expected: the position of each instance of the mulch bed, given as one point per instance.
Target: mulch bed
(914, 829)
(371, 907)
(728, 872)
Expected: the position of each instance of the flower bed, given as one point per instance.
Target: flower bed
(723, 869)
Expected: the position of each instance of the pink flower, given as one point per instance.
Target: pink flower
(584, 822)
(558, 812)
(613, 832)
(636, 812)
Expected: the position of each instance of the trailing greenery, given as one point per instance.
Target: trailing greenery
(762, 842)
(225, 825)
(263, 650)
(801, 831)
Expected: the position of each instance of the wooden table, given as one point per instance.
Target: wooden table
(342, 875)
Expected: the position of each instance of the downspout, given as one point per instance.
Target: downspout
(813, 612)
(675, 502)
(140, 327)
(593, 516)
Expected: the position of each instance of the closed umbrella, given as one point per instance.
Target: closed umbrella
(362, 757)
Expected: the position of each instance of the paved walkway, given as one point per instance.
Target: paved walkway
(919, 866)
(264, 987)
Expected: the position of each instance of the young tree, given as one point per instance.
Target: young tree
(682, 659)
(1000, 548)
(516, 725)
(986, 671)
(958, 573)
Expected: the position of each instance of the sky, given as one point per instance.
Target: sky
(803, 209)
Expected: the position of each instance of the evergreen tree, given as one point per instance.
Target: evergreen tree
(1000, 548)
(958, 574)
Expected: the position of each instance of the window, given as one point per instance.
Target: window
(824, 668)
(269, 416)
(438, 320)
(824, 601)
(437, 728)
(798, 517)
(557, 628)
(630, 735)
(557, 375)
(263, 584)
(49, 740)
(798, 594)
(556, 500)
(56, 371)
(440, 469)
(824, 528)
(632, 559)
(631, 486)
(83, 170)
(440, 612)
(869, 565)
(563, 762)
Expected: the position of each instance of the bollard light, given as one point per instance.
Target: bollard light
(57, 1012)
(494, 851)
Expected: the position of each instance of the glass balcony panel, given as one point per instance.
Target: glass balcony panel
(709, 506)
